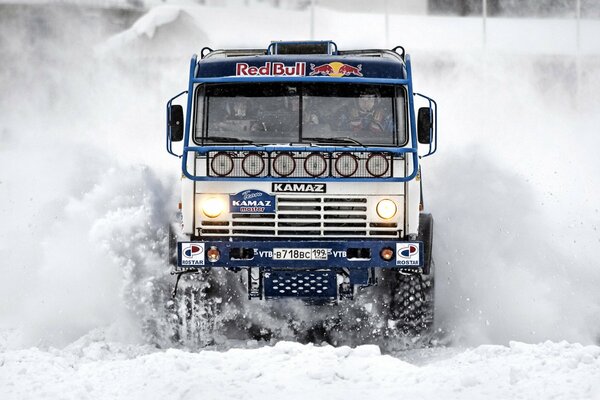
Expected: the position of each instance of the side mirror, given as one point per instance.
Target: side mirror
(425, 125)
(176, 123)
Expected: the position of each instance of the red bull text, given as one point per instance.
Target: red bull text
(271, 69)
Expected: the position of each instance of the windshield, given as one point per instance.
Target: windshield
(269, 113)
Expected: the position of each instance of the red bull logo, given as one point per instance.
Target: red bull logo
(271, 69)
(336, 69)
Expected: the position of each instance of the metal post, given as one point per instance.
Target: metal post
(484, 15)
(387, 25)
(578, 47)
(312, 19)
(578, 16)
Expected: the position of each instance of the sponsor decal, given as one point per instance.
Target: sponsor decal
(252, 202)
(336, 69)
(408, 254)
(299, 187)
(271, 69)
(192, 254)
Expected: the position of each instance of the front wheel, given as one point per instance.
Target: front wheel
(412, 305)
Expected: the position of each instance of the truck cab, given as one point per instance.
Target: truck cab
(301, 170)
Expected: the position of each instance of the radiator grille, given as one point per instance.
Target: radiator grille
(318, 216)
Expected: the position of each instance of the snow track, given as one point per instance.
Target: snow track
(92, 368)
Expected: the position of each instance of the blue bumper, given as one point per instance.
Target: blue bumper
(300, 254)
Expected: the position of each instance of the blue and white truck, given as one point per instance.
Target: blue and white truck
(301, 176)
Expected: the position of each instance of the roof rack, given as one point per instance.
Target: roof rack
(375, 53)
(231, 52)
(309, 47)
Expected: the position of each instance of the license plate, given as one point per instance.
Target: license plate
(300, 254)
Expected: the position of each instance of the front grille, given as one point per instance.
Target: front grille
(319, 216)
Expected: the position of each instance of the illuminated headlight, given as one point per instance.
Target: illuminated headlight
(213, 207)
(386, 209)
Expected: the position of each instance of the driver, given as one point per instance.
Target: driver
(238, 114)
(366, 116)
(237, 108)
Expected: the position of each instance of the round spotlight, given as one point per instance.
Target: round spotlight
(213, 207)
(222, 164)
(377, 165)
(253, 164)
(213, 254)
(386, 209)
(346, 165)
(315, 165)
(386, 254)
(284, 164)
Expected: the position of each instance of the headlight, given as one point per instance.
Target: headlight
(315, 165)
(284, 164)
(222, 164)
(346, 165)
(253, 164)
(386, 209)
(213, 207)
(377, 164)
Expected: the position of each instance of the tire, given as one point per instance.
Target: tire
(210, 307)
(193, 313)
(412, 305)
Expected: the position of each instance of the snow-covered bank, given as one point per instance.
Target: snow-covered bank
(90, 369)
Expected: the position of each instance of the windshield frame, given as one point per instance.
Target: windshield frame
(400, 91)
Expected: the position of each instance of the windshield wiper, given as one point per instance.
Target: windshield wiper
(225, 139)
(343, 139)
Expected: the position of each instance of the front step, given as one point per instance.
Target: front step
(312, 284)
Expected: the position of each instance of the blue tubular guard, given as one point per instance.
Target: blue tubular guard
(269, 149)
(382, 81)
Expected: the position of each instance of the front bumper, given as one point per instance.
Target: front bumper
(300, 254)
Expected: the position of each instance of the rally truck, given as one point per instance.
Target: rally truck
(301, 182)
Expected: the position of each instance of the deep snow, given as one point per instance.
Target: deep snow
(87, 191)
(98, 369)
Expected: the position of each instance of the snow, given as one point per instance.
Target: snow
(86, 191)
(95, 368)
(155, 17)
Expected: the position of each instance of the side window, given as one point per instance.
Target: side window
(199, 115)
(401, 115)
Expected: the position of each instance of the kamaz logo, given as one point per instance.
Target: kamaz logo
(299, 187)
(251, 203)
